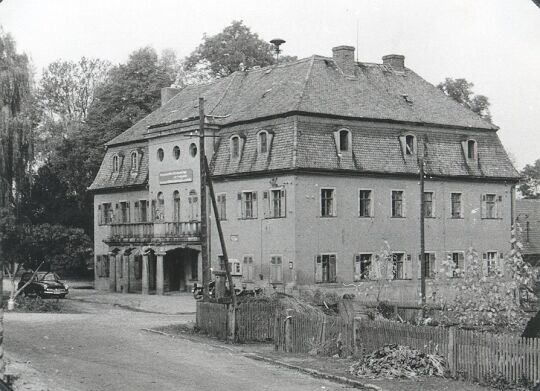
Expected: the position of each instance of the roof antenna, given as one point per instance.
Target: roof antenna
(356, 39)
(277, 42)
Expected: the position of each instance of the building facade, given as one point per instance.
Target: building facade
(315, 166)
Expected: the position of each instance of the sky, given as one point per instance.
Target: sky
(493, 43)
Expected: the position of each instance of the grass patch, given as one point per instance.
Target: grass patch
(37, 304)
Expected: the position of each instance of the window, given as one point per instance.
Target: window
(325, 268)
(362, 265)
(154, 210)
(428, 204)
(248, 271)
(176, 205)
(275, 203)
(471, 149)
(328, 204)
(115, 165)
(490, 262)
(106, 213)
(235, 147)
(194, 267)
(193, 201)
(102, 266)
(398, 266)
(364, 208)
(457, 263)
(397, 204)
(263, 142)
(124, 212)
(160, 154)
(429, 264)
(235, 267)
(491, 206)
(409, 145)
(343, 140)
(276, 269)
(455, 199)
(158, 207)
(193, 149)
(222, 206)
(134, 161)
(176, 152)
(247, 204)
(143, 211)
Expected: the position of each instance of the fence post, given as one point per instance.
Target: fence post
(231, 322)
(354, 331)
(288, 331)
(451, 351)
(276, 329)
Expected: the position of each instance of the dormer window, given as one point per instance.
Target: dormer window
(263, 142)
(471, 149)
(235, 147)
(343, 140)
(134, 161)
(115, 165)
(160, 154)
(409, 145)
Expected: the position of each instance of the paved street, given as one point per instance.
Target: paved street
(103, 348)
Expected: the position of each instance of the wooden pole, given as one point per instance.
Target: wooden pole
(422, 236)
(220, 232)
(204, 217)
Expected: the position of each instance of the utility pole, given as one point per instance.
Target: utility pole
(422, 234)
(204, 215)
(220, 232)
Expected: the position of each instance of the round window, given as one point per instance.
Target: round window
(176, 152)
(193, 149)
(160, 154)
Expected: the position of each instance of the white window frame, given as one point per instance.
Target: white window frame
(371, 203)
(433, 204)
(280, 279)
(450, 258)
(461, 211)
(134, 162)
(268, 141)
(268, 200)
(231, 143)
(246, 268)
(128, 211)
(497, 208)
(357, 277)
(410, 150)
(116, 163)
(337, 139)
(329, 254)
(235, 267)
(403, 204)
(242, 212)
(494, 262)
(334, 201)
(432, 264)
(222, 216)
(394, 269)
(465, 145)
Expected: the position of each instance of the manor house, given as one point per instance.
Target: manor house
(315, 165)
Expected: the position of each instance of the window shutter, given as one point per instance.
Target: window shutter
(403, 205)
(499, 207)
(419, 268)
(403, 145)
(484, 264)
(500, 263)
(357, 269)
(407, 267)
(332, 266)
(240, 207)
(283, 203)
(483, 205)
(279, 270)
(98, 266)
(464, 148)
(318, 268)
(255, 204)
(334, 203)
(100, 215)
(128, 207)
(266, 205)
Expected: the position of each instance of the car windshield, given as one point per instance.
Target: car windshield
(48, 277)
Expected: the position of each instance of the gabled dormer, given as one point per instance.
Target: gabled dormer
(343, 140)
(409, 145)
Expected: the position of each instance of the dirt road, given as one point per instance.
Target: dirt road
(103, 348)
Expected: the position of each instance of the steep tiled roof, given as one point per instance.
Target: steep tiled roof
(125, 177)
(314, 85)
(528, 211)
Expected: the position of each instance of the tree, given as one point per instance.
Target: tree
(65, 93)
(15, 141)
(235, 48)
(530, 185)
(461, 91)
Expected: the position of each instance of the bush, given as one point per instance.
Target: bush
(37, 304)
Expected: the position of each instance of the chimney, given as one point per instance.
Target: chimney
(167, 93)
(344, 58)
(395, 61)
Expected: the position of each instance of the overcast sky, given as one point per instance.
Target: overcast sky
(493, 43)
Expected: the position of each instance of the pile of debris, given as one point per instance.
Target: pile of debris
(396, 361)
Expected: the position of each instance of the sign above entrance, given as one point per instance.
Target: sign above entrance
(176, 176)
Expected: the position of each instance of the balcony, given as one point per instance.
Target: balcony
(156, 232)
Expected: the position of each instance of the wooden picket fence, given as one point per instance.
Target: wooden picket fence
(300, 332)
(472, 355)
(212, 318)
(255, 321)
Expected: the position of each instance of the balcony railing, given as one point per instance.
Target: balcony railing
(171, 231)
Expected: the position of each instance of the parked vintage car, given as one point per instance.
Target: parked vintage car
(44, 284)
